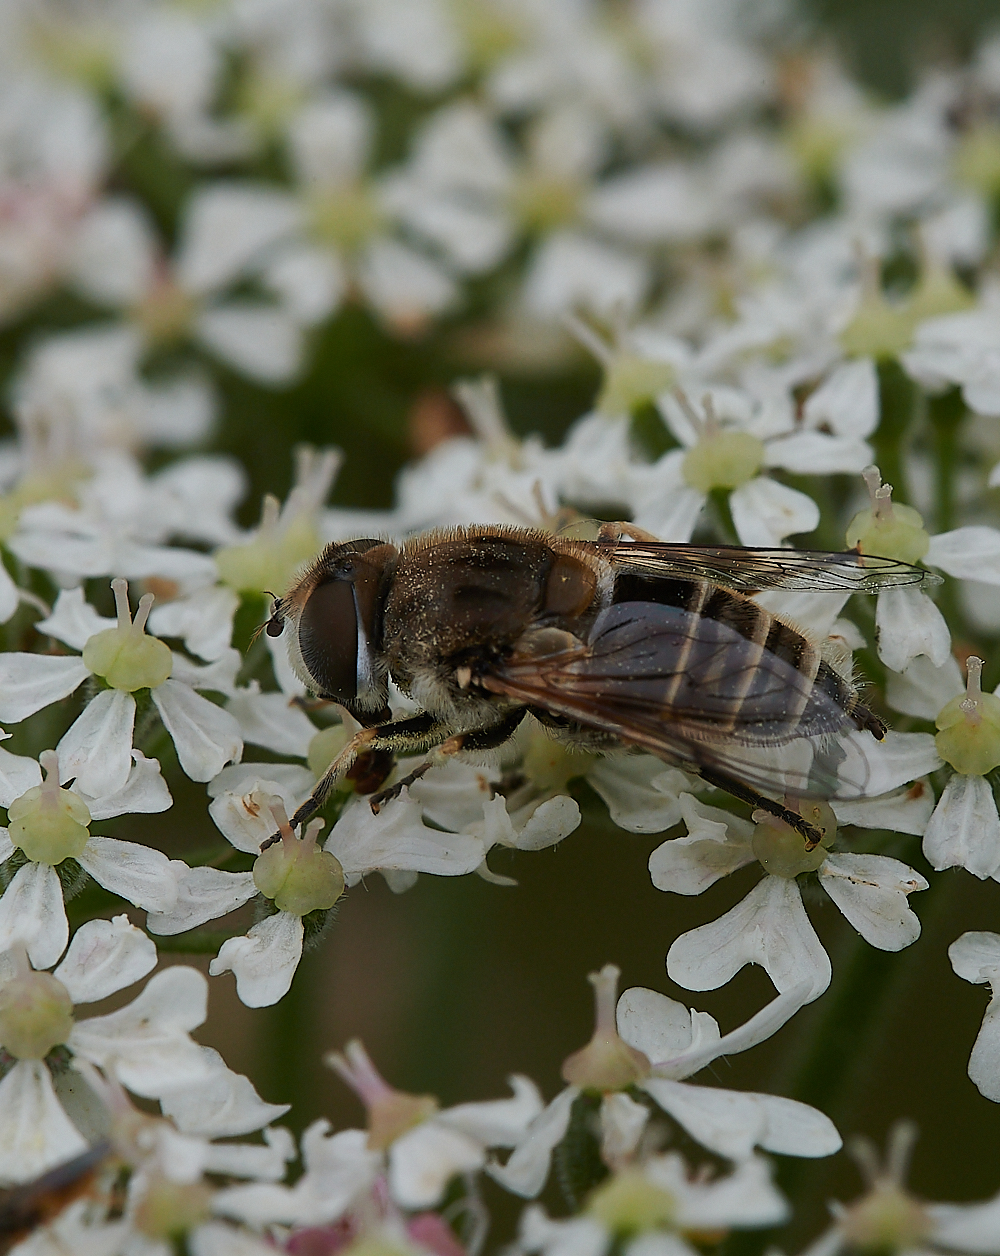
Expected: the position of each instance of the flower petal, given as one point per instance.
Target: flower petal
(263, 962)
(766, 512)
(96, 749)
(424, 1160)
(640, 791)
(270, 720)
(261, 341)
(397, 838)
(73, 619)
(146, 1043)
(203, 894)
(871, 891)
(18, 774)
(35, 1132)
(206, 737)
(105, 956)
(144, 792)
(139, 874)
(499, 1122)
(32, 913)
(922, 689)
(964, 831)
(223, 1105)
(528, 1167)
(908, 624)
(657, 1026)
(717, 843)
(769, 927)
(905, 810)
(29, 682)
(968, 553)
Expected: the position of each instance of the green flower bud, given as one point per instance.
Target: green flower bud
(36, 1014)
(47, 823)
(970, 727)
(607, 1062)
(629, 1203)
(631, 381)
(781, 850)
(346, 217)
(125, 656)
(887, 529)
(295, 873)
(272, 558)
(543, 202)
(169, 1210)
(324, 748)
(723, 459)
(877, 330)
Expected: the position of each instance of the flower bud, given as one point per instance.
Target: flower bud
(391, 1112)
(47, 823)
(887, 529)
(781, 849)
(296, 874)
(629, 1203)
(169, 1210)
(271, 559)
(723, 459)
(631, 381)
(970, 727)
(346, 216)
(125, 656)
(36, 1014)
(607, 1062)
(325, 746)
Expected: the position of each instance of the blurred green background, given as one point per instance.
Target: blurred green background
(456, 984)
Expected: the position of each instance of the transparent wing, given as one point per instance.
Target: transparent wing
(748, 570)
(691, 690)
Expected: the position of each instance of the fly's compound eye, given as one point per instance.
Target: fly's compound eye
(328, 639)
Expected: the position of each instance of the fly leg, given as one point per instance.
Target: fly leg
(746, 793)
(479, 739)
(398, 737)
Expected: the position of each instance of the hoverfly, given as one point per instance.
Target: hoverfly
(25, 1208)
(608, 643)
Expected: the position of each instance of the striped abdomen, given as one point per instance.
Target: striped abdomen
(719, 666)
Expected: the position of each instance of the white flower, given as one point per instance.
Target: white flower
(96, 750)
(962, 349)
(226, 229)
(661, 1043)
(976, 957)
(655, 1204)
(145, 1044)
(48, 825)
(417, 1146)
(770, 926)
(964, 829)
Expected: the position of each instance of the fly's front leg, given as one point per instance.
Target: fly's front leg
(398, 737)
(478, 739)
(745, 793)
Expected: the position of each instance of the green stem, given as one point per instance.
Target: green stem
(945, 414)
(898, 397)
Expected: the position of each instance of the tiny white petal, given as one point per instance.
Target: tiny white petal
(498, 1122)
(18, 774)
(29, 682)
(766, 512)
(226, 226)
(206, 737)
(528, 1167)
(717, 843)
(73, 619)
(424, 1159)
(270, 720)
(907, 624)
(640, 791)
(263, 962)
(657, 1026)
(105, 956)
(622, 1124)
(223, 1105)
(96, 749)
(397, 838)
(146, 1043)
(975, 957)
(35, 1132)
(922, 689)
(240, 811)
(139, 874)
(144, 792)
(769, 927)
(905, 810)
(10, 595)
(971, 553)
(261, 341)
(964, 831)
(847, 400)
(32, 913)
(203, 894)
(871, 891)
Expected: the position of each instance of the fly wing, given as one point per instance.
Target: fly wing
(749, 570)
(693, 691)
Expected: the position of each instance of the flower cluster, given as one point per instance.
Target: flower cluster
(786, 292)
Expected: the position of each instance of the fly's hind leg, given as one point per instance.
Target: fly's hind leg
(479, 739)
(398, 737)
(746, 793)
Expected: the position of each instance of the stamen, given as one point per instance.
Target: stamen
(120, 589)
